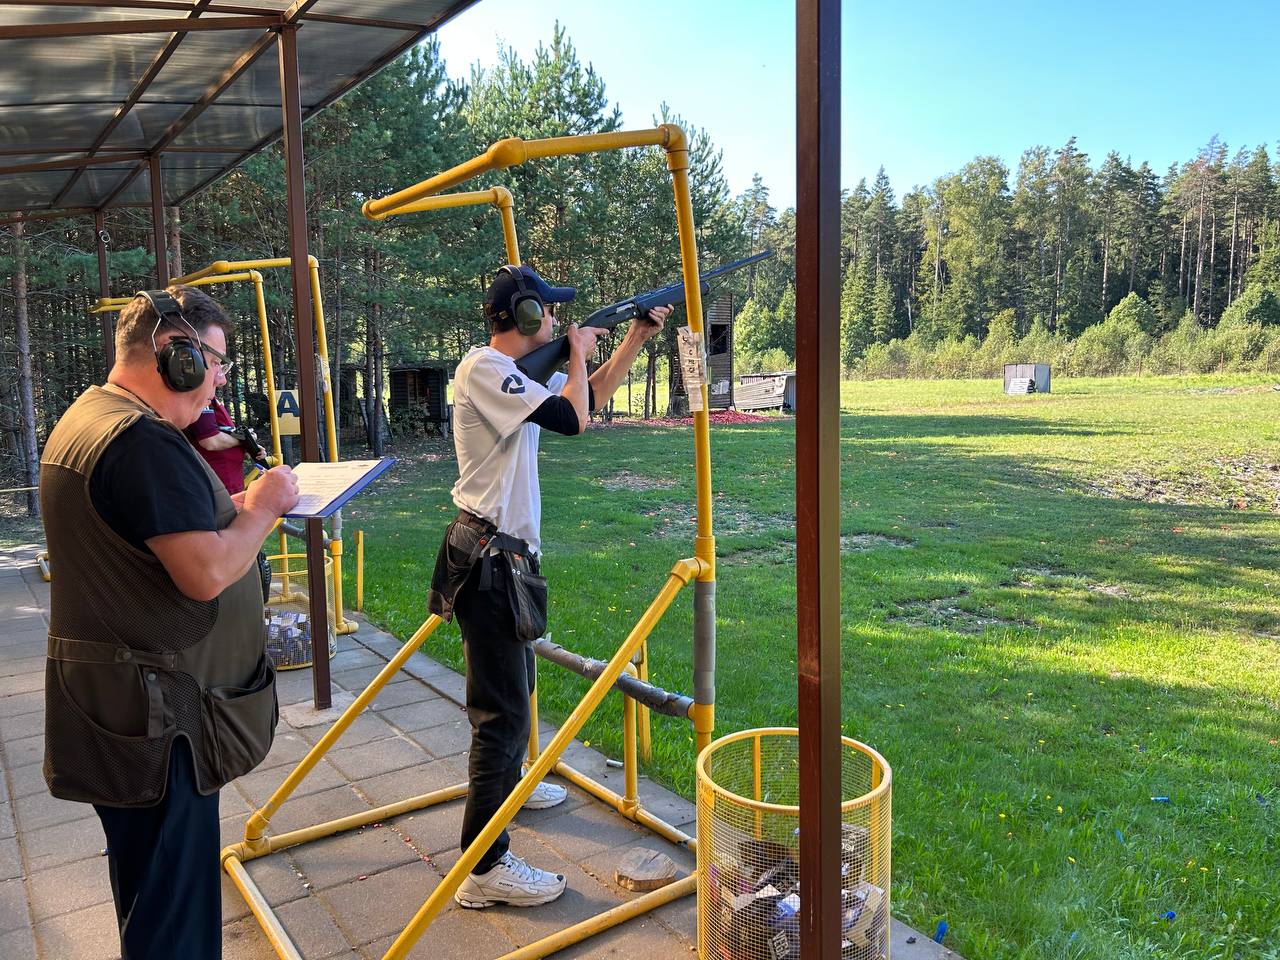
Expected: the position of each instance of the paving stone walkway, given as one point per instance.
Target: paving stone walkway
(346, 896)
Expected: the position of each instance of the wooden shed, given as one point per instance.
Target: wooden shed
(419, 394)
(719, 325)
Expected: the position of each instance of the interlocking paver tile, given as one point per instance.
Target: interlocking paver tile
(70, 887)
(382, 904)
(42, 810)
(364, 728)
(400, 692)
(88, 934)
(313, 930)
(18, 945)
(381, 756)
(445, 739)
(361, 852)
(64, 843)
(420, 716)
(19, 753)
(14, 914)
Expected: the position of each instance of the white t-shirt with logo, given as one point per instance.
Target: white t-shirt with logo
(497, 450)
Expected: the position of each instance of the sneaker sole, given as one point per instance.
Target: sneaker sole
(543, 804)
(470, 903)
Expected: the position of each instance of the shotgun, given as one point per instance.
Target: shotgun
(539, 364)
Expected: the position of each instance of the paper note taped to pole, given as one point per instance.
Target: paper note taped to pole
(692, 366)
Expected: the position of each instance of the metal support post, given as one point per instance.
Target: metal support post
(304, 340)
(108, 335)
(818, 470)
(159, 240)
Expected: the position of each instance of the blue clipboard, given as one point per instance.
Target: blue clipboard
(336, 502)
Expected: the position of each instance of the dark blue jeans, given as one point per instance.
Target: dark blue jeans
(164, 870)
(500, 678)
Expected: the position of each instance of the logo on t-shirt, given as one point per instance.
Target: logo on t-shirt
(513, 384)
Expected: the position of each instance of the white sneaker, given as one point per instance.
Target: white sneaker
(511, 882)
(545, 795)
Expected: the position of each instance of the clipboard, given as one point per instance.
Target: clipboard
(326, 487)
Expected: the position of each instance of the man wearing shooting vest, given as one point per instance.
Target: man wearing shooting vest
(488, 567)
(158, 691)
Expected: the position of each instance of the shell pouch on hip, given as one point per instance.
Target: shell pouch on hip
(528, 595)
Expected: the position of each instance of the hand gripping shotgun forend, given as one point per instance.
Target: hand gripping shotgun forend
(541, 363)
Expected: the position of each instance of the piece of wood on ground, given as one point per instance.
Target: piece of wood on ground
(643, 870)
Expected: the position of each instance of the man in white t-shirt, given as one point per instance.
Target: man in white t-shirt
(488, 566)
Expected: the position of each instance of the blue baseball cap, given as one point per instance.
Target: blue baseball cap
(497, 301)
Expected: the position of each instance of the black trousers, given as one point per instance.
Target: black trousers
(164, 870)
(500, 678)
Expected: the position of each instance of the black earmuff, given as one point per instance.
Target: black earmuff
(180, 362)
(527, 307)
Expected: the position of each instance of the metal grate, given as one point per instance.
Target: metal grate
(749, 849)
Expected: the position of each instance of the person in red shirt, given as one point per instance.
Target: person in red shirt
(220, 448)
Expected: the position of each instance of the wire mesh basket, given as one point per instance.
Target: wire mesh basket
(288, 611)
(749, 848)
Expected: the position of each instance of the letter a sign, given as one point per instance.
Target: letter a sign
(289, 413)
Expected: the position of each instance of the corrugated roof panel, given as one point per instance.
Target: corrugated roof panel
(61, 93)
(73, 69)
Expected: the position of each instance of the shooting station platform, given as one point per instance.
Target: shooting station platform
(345, 896)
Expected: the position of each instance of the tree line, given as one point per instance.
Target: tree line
(989, 257)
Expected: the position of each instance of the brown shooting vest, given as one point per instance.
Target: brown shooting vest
(133, 662)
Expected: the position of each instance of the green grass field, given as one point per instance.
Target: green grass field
(1054, 609)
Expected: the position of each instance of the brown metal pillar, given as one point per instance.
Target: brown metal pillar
(104, 290)
(818, 469)
(157, 222)
(304, 338)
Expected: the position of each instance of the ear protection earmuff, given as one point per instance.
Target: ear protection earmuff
(526, 305)
(180, 362)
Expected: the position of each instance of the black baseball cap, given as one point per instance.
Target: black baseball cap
(497, 301)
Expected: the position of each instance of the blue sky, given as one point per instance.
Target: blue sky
(926, 85)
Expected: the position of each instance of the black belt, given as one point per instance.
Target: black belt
(494, 537)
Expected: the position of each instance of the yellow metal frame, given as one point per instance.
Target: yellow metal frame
(501, 199)
(234, 271)
(698, 570)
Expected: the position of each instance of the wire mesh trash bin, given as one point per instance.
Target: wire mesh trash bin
(288, 614)
(749, 848)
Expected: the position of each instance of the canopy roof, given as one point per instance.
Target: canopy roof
(91, 89)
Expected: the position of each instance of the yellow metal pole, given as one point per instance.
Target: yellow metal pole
(506, 205)
(603, 921)
(277, 936)
(644, 728)
(269, 373)
(513, 151)
(535, 746)
(322, 348)
(294, 838)
(759, 796)
(499, 197)
(258, 821)
(360, 570)
(615, 800)
(681, 575)
(704, 543)
(630, 771)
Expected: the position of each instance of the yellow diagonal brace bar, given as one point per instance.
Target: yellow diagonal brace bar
(683, 572)
(258, 821)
